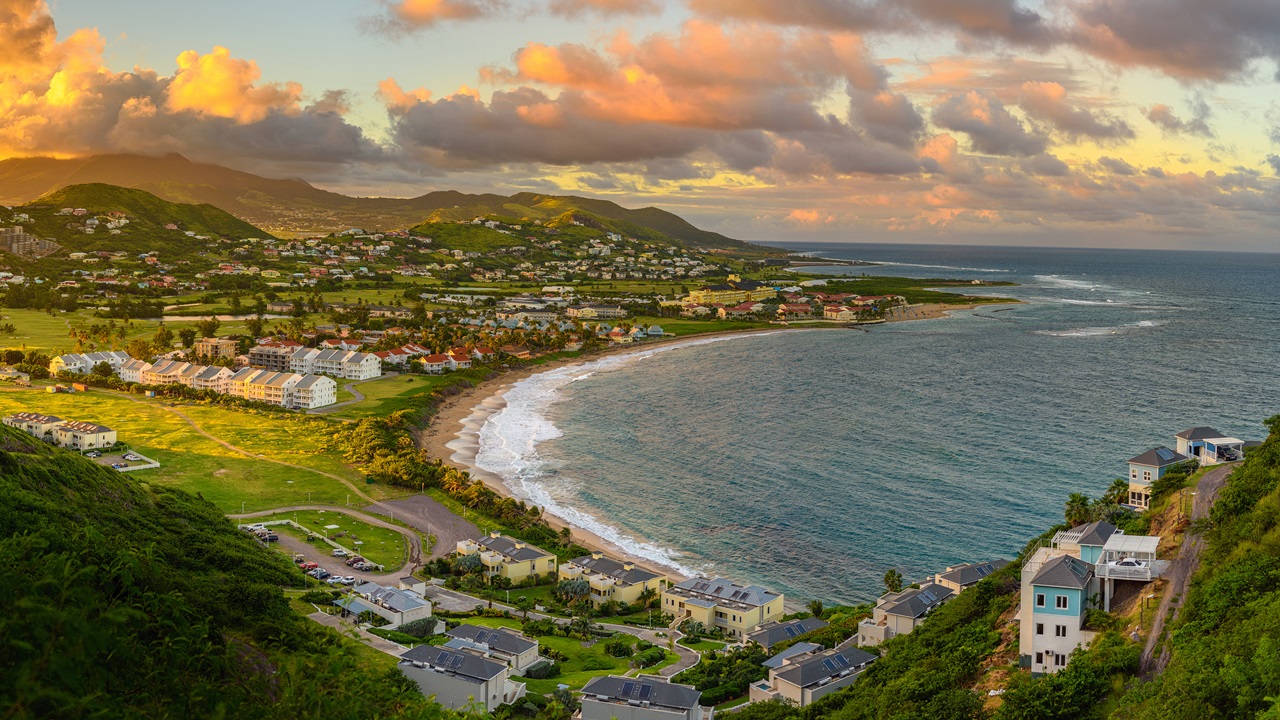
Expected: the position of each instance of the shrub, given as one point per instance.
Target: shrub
(643, 645)
(539, 628)
(619, 648)
(542, 670)
(372, 618)
(550, 652)
(316, 597)
(649, 657)
(598, 663)
(419, 628)
(395, 636)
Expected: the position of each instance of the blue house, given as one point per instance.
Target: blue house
(1086, 541)
(1146, 469)
(1056, 592)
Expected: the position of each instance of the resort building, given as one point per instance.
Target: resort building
(647, 697)
(314, 391)
(733, 292)
(397, 605)
(80, 435)
(804, 678)
(507, 557)
(1055, 596)
(270, 387)
(33, 424)
(84, 363)
(460, 680)
(517, 651)
(723, 604)
(1146, 469)
(962, 577)
(273, 356)
(611, 579)
(214, 347)
(132, 370)
(339, 363)
(901, 612)
(595, 312)
(771, 634)
(1209, 446)
(212, 378)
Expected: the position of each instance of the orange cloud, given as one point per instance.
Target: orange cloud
(426, 13)
(397, 99)
(220, 85)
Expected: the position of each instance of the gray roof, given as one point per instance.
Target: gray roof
(397, 599)
(1158, 457)
(799, 648)
(457, 662)
(915, 602)
(614, 569)
(1198, 433)
(506, 547)
(727, 590)
(966, 575)
(1064, 571)
(773, 633)
(647, 688)
(1095, 533)
(501, 640)
(825, 665)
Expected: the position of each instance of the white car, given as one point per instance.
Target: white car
(349, 580)
(1128, 563)
(132, 458)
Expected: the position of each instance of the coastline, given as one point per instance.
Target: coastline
(453, 432)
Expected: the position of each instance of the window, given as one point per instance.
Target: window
(1060, 631)
(1039, 599)
(1146, 475)
(1039, 658)
(1133, 473)
(1039, 628)
(1060, 601)
(1060, 660)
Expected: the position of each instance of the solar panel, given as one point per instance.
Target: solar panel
(444, 657)
(984, 570)
(840, 660)
(457, 662)
(928, 596)
(790, 630)
(830, 666)
(645, 691)
(627, 687)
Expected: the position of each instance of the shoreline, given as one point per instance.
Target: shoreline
(452, 435)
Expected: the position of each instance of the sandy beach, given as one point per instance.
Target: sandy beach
(453, 433)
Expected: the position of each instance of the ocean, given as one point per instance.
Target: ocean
(812, 462)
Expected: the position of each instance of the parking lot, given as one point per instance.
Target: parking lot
(123, 461)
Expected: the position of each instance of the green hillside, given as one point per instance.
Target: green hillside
(129, 600)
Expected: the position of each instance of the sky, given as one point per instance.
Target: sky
(1122, 123)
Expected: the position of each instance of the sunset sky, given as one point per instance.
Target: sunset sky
(1079, 122)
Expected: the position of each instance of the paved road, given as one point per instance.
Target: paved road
(351, 388)
(411, 538)
(1180, 572)
(431, 518)
(346, 628)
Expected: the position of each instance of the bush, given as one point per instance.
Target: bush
(619, 648)
(549, 652)
(539, 628)
(396, 636)
(420, 628)
(316, 597)
(649, 657)
(643, 645)
(542, 670)
(598, 663)
(370, 617)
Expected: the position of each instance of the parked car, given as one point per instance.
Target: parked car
(272, 537)
(93, 454)
(310, 565)
(335, 580)
(339, 552)
(132, 458)
(349, 580)
(117, 466)
(1128, 563)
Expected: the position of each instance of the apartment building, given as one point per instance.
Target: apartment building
(723, 604)
(619, 581)
(507, 557)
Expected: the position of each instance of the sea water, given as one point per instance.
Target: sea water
(812, 462)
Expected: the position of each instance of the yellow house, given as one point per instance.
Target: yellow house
(33, 423)
(80, 435)
(723, 604)
(610, 579)
(509, 558)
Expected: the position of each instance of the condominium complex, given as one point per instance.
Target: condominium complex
(611, 579)
(507, 557)
(723, 604)
(73, 434)
(345, 364)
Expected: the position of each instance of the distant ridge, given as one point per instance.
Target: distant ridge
(293, 205)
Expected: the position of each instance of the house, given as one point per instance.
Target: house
(460, 680)
(611, 579)
(962, 577)
(434, 363)
(724, 604)
(345, 364)
(398, 606)
(593, 311)
(898, 613)
(482, 354)
(507, 557)
(164, 372)
(132, 370)
(84, 363)
(1209, 446)
(1055, 596)
(795, 310)
(34, 424)
(1086, 541)
(274, 356)
(458, 361)
(805, 678)
(517, 651)
(313, 391)
(518, 352)
(1146, 469)
(1112, 554)
(80, 435)
(213, 347)
(771, 634)
(839, 312)
(646, 697)
(799, 648)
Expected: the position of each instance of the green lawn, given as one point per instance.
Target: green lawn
(36, 329)
(390, 394)
(381, 545)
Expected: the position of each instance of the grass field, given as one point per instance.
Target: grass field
(197, 464)
(38, 330)
(389, 394)
(380, 545)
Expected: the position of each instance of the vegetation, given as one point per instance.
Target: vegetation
(128, 599)
(726, 675)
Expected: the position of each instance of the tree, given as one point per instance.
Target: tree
(102, 369)
(13, 357)
(208, 327)
(234, 303)
(815, 607)
(1118, 493)
(255, 325)
(566, 537)
(893, 580)
(163, 338)
(571, 591)
(188, 337)
(1077, 509)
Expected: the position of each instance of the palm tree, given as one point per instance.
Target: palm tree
(893, 580)
(566, 537)
(1118, 493)
(815, 607)
(1077, 509)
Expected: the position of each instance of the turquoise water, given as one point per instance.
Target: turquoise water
(811, 462)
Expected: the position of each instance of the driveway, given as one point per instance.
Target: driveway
(430, 518)
(412, 539)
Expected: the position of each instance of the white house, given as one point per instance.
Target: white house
(132, 370)
(458, 361)
(646, 697)
(901, 612)
(804, 678)
(459, 680)
(397, 605)
(517, 651)
(78, 363)
(314, 391)
(434, 363)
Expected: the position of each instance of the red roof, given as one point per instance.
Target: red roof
(436, 358)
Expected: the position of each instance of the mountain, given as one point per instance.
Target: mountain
(293, 206)
(145, 210)
(130, 599)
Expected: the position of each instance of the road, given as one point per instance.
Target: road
(1180, 572)
(431, 518)
(334, 565)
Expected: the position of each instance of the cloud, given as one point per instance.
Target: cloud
(1117, 166)
(405, 15)
(1045, 165)
(1048, 101)
(219, 85)
(578, 8)
(1274, 161)
(1163, 117)
(991, 128)
(1191, 39)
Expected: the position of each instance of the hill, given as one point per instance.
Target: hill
(127, 599)
(293, 206)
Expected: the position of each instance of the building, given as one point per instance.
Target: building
(771, 634)
(273, 356)
(962, 577)
(509, 558)
(898, 613)
(397, 605)
(804, 678)
(33, 424)
(84, 363)
(458, 361)
(80, 435)
(1086, 541)
(592, 311)
(345, 364)
(314, 391)
(460, 680)
(723, 604)
(1209, 446)
(517, 651)
(647, 697)
(1055, 595)
(733, 292)
(270, 387)
(1146, 469)
(132, 370)
(163, 372)
(611, 579)
(213, 348)
(434, 363)
(212, 378)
